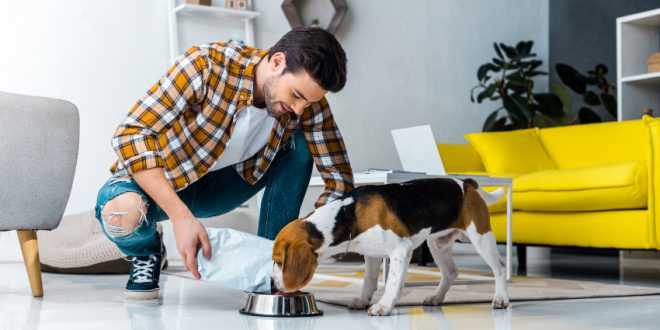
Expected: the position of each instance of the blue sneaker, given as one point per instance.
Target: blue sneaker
(144, 275)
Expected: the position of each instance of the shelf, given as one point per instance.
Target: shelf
(649, 18)
(646, 78)
(216, 11)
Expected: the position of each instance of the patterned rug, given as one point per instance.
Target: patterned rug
(339, 284)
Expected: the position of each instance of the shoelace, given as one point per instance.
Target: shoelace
(143, 269)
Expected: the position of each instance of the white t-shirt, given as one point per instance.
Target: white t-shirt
(251, 132)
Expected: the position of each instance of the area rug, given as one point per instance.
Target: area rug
(339, 285)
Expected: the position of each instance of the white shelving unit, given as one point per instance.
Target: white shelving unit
(637, 37)
(247, 16)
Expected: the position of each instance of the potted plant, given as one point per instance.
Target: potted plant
(508, 78)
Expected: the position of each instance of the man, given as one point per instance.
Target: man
(224, 122)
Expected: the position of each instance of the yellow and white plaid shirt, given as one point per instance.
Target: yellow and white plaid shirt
(185, 121)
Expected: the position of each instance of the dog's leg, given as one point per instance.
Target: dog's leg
(487, 248)
(399, 260)
(441, 251)
(372, 268)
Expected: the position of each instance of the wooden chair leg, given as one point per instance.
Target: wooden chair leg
(30, 250)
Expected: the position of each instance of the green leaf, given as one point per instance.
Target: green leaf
(486, 93)
(524, 47)
(516, 109)
(571, 78)
(484, 69)
(516, 123)
(563, 95)
(515, 75)
(499, 62)
(549, 104)
(537, 73)
(609, 101)
(498, 51)
(491, 121)
(532, 65)
(591, 98)
(510, 52)
(518, 81)
(601, 69)
(586, 115)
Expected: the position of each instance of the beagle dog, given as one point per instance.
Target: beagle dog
(392, 220)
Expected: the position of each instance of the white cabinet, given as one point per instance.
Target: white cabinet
(637, 38)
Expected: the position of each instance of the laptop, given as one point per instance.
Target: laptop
(417, 150)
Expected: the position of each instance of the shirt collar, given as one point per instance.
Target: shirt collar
(251, 70)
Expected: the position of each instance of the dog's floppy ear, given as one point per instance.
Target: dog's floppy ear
(298, 265)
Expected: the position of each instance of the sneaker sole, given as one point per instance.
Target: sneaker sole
(142, 295)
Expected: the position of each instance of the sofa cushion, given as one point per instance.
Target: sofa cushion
(510, 152)
(578, 146)
(620, 185)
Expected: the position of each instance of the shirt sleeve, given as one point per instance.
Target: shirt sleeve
(136, 139)
(328, 150)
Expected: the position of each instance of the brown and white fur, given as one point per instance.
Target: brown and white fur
(391, 221)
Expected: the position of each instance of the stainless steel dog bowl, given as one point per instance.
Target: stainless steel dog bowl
(299, 304)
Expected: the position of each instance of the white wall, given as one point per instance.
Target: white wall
(410, 62)
(101, 55)
(414, 62)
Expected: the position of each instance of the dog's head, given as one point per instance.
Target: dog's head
(294, 256)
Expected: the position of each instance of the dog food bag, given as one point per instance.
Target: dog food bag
(239, 260)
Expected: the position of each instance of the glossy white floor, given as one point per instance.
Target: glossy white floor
(96, 302)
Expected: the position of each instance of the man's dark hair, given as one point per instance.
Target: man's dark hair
(317, 52)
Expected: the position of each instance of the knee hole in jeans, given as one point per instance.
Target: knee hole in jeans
(123, 214)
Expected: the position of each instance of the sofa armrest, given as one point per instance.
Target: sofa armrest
(460, 158)
(654, 178)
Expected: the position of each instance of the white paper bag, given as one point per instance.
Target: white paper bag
(239, 260)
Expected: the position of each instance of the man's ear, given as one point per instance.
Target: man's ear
(278, 62)
(299, 265)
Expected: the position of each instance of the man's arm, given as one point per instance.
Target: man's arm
(188, 231)
(328, 150)
(136, 143)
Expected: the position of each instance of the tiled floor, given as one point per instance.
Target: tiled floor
(95, 302)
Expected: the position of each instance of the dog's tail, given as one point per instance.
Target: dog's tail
(489, 197)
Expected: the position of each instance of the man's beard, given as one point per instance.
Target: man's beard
(268, 99)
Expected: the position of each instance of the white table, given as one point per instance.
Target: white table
(388, 176)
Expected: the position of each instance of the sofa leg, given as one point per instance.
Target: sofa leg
(522, 259)
(30, 250)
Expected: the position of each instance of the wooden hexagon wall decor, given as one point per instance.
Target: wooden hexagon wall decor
(293, 16)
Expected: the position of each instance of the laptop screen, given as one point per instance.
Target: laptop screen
(417, 150)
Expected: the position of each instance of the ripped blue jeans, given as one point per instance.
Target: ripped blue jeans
(217, 193)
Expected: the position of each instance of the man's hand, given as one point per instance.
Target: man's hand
(188, 231)
(190, 234)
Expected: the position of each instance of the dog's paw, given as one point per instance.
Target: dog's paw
(379, 310)
(434, 300)
(358, 303)
(500, 302)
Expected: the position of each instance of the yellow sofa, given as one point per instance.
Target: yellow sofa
(598, 189)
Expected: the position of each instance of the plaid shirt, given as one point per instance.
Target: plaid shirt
(186, 119)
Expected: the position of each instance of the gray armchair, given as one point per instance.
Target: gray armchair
(38, 153)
